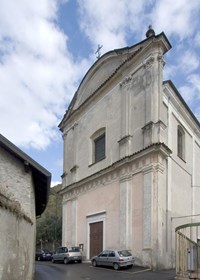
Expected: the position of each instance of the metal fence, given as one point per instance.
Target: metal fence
(188, 251)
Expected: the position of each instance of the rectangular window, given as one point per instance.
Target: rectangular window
(181, 142)
(99, 146)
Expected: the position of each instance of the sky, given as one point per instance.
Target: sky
(47, 46)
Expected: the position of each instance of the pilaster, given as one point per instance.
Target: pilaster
(126, 212)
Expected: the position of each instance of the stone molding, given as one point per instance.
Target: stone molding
(72, 127)
(149, 62)
(125, 139)
(147, 160)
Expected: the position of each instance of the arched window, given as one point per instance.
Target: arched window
(181, 142)
(99, 145)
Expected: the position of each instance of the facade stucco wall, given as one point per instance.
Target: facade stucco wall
(196, 178)
(78, 143)
(17, 220)
(183, 177)
(154, 188)
(138, 226)
(87, 207)
(123, 111)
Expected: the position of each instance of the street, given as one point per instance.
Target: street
(85, 271)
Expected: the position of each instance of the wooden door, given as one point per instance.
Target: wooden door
(96, 238)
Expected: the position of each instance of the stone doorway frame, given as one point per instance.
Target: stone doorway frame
(94, 218)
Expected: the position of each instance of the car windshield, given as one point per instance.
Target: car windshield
(74, 249)
(45, 251)
(124, 253)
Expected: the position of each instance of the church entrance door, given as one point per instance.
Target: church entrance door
(96, 238)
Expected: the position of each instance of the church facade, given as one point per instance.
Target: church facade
(131, 157)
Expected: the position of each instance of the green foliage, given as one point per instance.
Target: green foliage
(49, 225)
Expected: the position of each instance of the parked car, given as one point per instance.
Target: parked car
(67, 254)
(43, 255)
(113, 258)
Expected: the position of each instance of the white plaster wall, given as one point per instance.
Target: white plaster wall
(196, 180)
(103, 198)
(183, 175)
(158, 195)
(123, 110)
(17, 235)
(106, 114)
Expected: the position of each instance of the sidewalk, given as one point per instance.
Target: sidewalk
(140, 273)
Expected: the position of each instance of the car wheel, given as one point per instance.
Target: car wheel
(130, 266)
(66, 261)
(80, 261)
(94, 263)
(52, 260)
(116, 266)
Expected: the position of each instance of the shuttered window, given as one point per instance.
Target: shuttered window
(99, 145)
(181, 143)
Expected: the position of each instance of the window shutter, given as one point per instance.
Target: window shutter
(100, 148)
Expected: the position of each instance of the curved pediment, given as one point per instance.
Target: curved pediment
(107, 66)
(101, 71)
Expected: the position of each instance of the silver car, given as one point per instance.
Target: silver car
(67, 254)
(114, 258)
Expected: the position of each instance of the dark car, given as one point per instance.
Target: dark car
(43, 255)
(67, 254)
(114, 258)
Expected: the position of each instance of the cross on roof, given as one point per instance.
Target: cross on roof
(98, 51)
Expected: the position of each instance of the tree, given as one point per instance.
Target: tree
(49, 225)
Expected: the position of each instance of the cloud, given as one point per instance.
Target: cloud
(179, 18)
(190, 92)
(190, 61)
(108, 22)
(197, 39)
(37, 73)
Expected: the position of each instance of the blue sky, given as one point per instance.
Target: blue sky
(46, 47)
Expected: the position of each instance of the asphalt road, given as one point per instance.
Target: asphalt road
(84, 271)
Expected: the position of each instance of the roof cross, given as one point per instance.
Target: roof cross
(98, 51)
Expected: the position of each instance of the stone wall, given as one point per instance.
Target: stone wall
(17, 219)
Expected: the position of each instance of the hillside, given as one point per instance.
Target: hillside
(49, 225)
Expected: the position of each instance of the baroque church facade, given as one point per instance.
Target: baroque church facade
(131, 157)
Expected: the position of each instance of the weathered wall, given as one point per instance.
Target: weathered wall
(17, 220)
(151, 193)
(183, 177)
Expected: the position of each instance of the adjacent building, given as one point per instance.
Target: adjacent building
(131, 157)
(24, 188)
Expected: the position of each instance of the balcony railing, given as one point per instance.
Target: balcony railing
(188, 251)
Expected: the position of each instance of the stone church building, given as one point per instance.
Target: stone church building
(131, 157)
(24, 189)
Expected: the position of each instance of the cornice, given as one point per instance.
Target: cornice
(121, 170)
